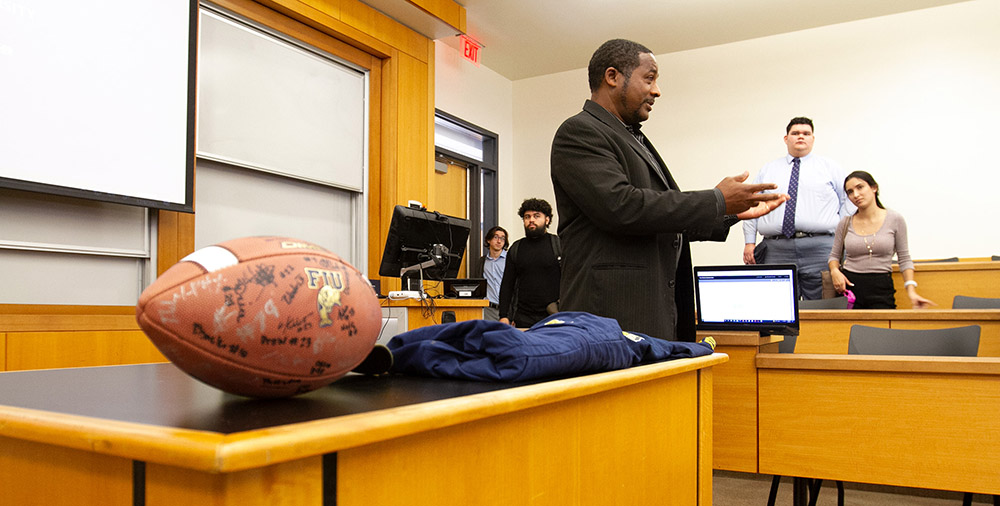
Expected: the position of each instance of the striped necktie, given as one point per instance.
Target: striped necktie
(634, 130)
(788, 225)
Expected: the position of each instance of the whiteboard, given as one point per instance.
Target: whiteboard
(235, 202)
(97, 101)
(33, 221)
(33, 277)
(271, 104)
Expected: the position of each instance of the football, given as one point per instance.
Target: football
(262, 316)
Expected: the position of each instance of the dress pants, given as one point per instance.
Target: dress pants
(810, 256)
(491, 313)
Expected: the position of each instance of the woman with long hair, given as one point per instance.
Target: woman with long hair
(867, 240)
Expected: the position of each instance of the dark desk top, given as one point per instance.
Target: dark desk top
(160, 394)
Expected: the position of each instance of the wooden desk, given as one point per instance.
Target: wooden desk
(107, 435)
(428, 312)
(942, 281)
(927, 422)
(734, 431)
(828, 330)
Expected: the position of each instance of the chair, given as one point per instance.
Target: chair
(833, 303)
(953, 342)
(966, 302)
(787, 345)
(812, 487)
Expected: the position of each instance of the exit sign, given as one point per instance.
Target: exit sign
(470, 49)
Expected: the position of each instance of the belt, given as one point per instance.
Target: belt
(798, 235)
(494, 305)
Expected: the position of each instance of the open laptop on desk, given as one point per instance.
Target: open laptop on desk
(754, 298)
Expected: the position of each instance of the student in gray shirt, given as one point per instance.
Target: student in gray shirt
(868, 240)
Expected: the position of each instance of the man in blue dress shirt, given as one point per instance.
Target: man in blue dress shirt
(494, 262)
(801, 230)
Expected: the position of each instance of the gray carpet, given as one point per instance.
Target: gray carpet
(739, 489)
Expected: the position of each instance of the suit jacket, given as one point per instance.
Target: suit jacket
(625, 227)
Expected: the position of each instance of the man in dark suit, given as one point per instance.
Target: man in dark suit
(623, 222)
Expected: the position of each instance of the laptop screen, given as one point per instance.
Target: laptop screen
(757, 298)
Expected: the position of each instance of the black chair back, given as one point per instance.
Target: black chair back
(787, 345)
(953, 342)
(832, 303)
(965, 302)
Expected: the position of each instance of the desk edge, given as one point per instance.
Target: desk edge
(880, 363)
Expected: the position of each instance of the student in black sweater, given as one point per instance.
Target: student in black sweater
(530, 288)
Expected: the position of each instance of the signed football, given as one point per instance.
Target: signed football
(262, 316)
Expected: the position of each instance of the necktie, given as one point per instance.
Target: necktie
(788, 225)
(634, 130)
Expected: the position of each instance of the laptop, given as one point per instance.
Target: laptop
(470, 288)
(749, 298)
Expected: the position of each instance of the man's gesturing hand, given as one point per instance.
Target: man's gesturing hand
(746, 200)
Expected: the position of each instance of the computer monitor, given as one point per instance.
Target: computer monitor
(754, 298)
(423, 244)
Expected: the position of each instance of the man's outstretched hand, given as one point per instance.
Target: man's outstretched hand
(762, 208)
(746, 200)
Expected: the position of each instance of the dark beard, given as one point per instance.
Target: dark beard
(534, 234)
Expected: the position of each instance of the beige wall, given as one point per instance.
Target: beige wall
(909, 97)
(481, 97)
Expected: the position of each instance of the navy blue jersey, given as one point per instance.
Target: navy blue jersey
(563, 344)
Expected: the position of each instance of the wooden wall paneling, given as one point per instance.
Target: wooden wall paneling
(46, 350)
(166, 240)
(68, 322)
(429, 151)
(408, 146)
(377, 168)
(3, 351)
(415, 145)
(185, 235)
(60, 310)
(390, 173)
(446, 10)
(326, 16)
(174, 238)
(942, 281)
(355, 23)
(829, 334)
(310, 31)
(41, 337)
(828, 331)
(374, 23)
